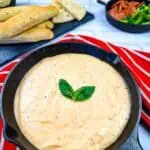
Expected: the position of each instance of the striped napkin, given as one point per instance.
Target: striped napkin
(137, 62)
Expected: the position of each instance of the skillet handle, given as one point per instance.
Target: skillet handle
(101, 2)
(9, 133)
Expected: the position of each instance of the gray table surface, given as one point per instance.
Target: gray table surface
(144, 132)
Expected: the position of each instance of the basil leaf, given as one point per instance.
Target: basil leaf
(65, 88)
(83, 93)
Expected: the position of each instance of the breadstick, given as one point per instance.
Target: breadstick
(32, 35)
(6, 13)
(47, 24)
(26, 20)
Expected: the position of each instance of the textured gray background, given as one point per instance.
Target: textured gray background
(132, 143)
(108, 33)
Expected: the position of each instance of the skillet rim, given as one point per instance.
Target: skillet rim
(73, 44)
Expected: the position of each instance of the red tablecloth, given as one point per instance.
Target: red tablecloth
(138, 63)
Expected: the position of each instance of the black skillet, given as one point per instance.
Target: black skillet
(11, 130)
(120, 25)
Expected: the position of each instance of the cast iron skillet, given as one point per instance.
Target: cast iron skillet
(11, 130)
(120, 25)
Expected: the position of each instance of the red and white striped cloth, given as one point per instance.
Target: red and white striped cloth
(138, 63)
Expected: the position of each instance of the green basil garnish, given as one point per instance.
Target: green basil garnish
(81, 94)
(65, 88)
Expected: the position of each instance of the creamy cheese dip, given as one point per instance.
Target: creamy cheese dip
(4, 3)
(52, 122)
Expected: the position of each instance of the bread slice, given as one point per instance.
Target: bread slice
(73, 8)
(32, 35)
(26, 20)
(63, 15)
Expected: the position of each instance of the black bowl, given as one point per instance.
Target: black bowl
(11, 130)
(120, 25)
(13, 3)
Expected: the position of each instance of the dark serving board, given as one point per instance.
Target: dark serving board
(11, 51)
